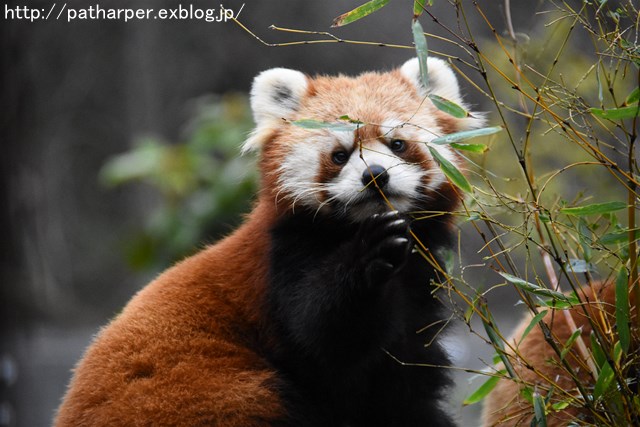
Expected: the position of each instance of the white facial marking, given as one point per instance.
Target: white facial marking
(422, 135)
(346, 194)
(359, 202)
(299, 171)
(344, 138)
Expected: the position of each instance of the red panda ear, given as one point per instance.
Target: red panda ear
(442, 82)
(275, 95)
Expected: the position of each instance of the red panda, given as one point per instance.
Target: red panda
(506, 406)
(300, 316)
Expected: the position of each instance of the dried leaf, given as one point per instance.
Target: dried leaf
(359, 12)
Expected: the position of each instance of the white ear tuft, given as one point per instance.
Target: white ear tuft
(410, 70)
(275, 95)
(442, 82)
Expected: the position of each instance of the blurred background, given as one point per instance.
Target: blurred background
(120, 155)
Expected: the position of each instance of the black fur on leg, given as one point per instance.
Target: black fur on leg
(342, 298)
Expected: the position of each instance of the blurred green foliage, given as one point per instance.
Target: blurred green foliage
(202, 182)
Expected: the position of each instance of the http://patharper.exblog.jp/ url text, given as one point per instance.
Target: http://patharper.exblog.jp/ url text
(62, 12)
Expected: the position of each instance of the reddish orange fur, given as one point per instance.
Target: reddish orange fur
(505, 406)
(190, 329)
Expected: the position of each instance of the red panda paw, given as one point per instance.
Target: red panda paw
(384, 246)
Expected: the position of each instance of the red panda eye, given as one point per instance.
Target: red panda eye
(397, 145)
(340, 157)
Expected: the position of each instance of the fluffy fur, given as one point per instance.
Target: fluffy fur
(506, 407)
(295, 319)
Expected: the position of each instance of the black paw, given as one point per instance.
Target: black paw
(384, 245)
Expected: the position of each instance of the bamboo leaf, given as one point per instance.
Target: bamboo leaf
(594, 209)
(448, 107)
(622, 309)
(489, 327)
(621, 113)
(418, 7)
(596, 350)
(456, 177)
(422, 51)
(465, 135)
(346, 118)
(473, 148)
(534, 289)
(484, 389)
(359, 12)
(599, 83)
(618, 237)
(584, 236)
(569, 343)
(634, 96)
(604, 381)
(539, 410)
(316, 124)
(526, 393)
(559, 406)
(536, 319)
(581, 266)
(606, 376)
(572, 301)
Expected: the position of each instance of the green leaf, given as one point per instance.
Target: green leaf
(359, 12)
(418, 7)
(569, 343)
(622, 309)
(559, 406)
(539, 410)
(599, 83)
(584, 236)
(473, 148)
(596, 350)
(464, 135)
(346, 118)
(484, 389)
(456, 177)
(526, 393)
(534, 321)
(572, 301)
(594, 209)
(581, 266)
(489, 327)
(468, 313)
(448, 107)
(618, 237)
(422, 51)
(534, 289)
(316, 124)
(606, 376)
(621, 113)
(634, 96)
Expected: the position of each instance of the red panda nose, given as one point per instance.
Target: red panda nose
(376, 172)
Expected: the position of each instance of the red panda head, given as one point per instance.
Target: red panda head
(379, 164)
